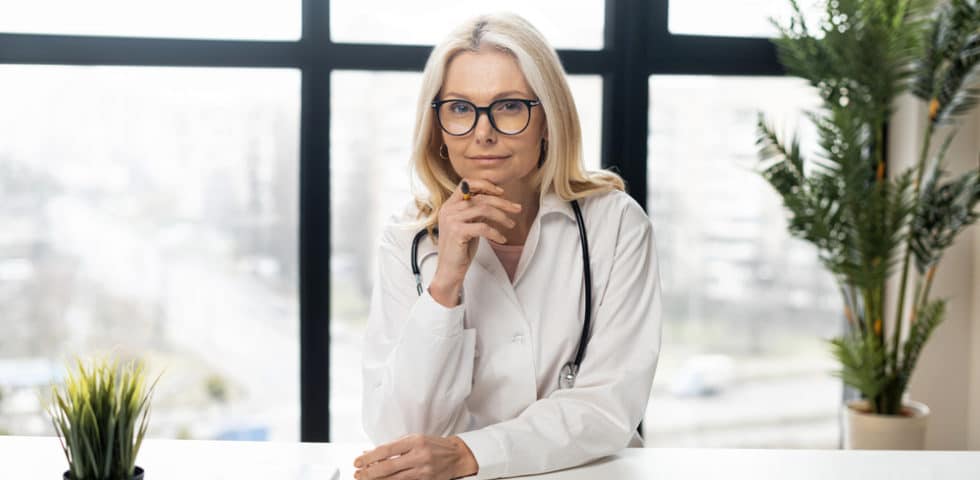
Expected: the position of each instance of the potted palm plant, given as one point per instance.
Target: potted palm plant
(101, 413)
(866, 222)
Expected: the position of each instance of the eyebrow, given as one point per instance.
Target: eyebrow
(497, 96)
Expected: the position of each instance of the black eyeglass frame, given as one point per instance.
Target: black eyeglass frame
(476, 119)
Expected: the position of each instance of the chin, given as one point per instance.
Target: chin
(494, 177)
(497, 175)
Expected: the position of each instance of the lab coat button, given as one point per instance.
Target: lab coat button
(518, 338)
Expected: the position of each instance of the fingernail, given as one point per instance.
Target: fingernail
(357, 463)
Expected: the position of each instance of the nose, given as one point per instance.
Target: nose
(484, 131)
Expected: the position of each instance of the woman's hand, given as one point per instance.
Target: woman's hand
(461, 223)
(420, 457)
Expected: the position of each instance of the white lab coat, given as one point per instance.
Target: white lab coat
(487, 369)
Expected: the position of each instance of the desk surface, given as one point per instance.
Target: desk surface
(28, 458)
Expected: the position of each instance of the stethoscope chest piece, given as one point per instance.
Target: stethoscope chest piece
(566, 379)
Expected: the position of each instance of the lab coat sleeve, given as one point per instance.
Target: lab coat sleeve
(418, 358)
(599, 415)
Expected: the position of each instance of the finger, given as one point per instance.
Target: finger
(409, 474)
(473, 230)
(487, 212)
(385, 468)
(476, 186)
(498, 202)
(387, 450)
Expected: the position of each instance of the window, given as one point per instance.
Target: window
(155, 210)
(745, 18)
(152, 213)
(746, 306)
(426, 22)
(226, 19)
(369, 169)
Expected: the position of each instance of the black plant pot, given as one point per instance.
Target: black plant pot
(137, 474)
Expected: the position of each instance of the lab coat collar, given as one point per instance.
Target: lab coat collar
(552, 203)
(485, 256)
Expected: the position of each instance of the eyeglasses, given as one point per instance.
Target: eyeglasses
(508, 116)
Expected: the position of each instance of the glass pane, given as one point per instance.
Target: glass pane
(746, 307)
(427, 22)
(745, 18)
(152, 213)
(370, 142)
(226, 19)
(587, 91)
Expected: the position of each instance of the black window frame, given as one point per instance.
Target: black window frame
(637, 44)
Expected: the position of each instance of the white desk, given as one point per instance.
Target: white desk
(29, 458)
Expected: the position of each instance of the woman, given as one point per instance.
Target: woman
(461, 375)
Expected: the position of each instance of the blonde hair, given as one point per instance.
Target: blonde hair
(562, 170)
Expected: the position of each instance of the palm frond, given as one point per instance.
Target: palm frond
(946, 73)
(862, 359)
(927, 319)
(944, 210)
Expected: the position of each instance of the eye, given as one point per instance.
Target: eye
(460, 107)
(509, 106)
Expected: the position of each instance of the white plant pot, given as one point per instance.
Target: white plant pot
(870, 431)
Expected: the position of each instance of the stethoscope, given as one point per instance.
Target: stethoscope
(566, 378)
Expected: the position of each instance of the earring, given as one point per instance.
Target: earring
(544, 151)
(444, 152)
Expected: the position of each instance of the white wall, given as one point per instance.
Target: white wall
(948, 375)
(974, 372)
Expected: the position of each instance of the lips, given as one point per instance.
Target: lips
(489, 157)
